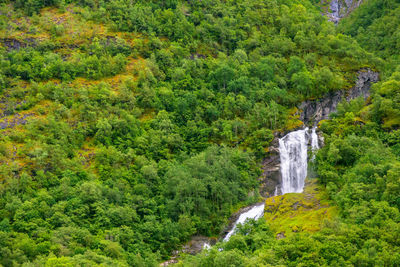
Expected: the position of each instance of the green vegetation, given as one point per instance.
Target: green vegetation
(375, 25)
(359, 166)
(294, 212)
(126, 127)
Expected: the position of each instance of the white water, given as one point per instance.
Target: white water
(314, 142)
(293, 149)
(293, 154)
(206, 246)
(255, 213)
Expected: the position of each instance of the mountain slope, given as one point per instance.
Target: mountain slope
(127, 127)
(359, 165)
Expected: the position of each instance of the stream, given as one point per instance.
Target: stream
(254, 213)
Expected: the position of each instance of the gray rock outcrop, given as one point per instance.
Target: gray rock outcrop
(313, 111)
(338, 9)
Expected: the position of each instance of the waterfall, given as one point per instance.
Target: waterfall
(293, 154)
(206, 246)
(255, 213)
(314, 142)
(293, 149)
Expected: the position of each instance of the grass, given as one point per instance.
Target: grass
(296, 212)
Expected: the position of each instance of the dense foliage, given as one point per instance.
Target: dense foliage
(375, 25)
(359, 166)
(129, 126)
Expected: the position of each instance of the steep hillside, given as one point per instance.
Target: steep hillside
(358, 166)
(375, 25)
(127, 127)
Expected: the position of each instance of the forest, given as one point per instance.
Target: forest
(127, 127)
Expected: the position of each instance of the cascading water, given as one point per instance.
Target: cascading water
(293, 154)
(255, 213)
(276, 191)
(293, 149)
(314, 142)
(206, 246)
(314, 139)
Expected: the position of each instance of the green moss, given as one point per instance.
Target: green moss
(297, 212)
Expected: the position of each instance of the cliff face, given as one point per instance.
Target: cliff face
(337, 9)
(315, 111)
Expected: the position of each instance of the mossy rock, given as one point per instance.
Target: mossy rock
(297, 212)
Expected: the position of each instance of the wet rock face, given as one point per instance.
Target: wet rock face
(315, 111)
(271, 175)
(196, 245)
(193, 247)
(337, 9)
